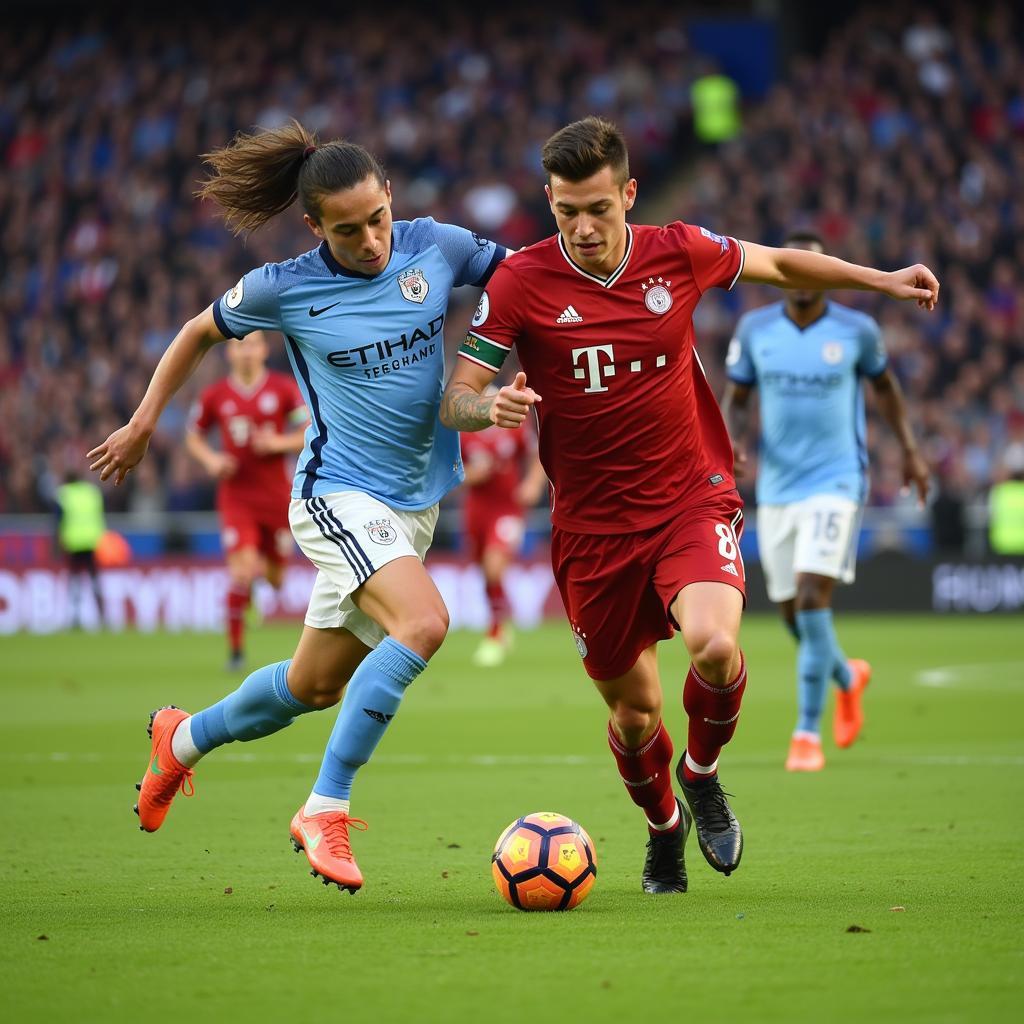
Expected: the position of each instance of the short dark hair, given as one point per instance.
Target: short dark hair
(806, 235)
(582, 148)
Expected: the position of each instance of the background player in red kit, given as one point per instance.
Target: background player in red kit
(256, 411)
(646, 518)
(504, 478)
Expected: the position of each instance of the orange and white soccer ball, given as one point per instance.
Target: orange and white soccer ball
(544, 861)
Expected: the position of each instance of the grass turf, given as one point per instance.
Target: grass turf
(913, 837)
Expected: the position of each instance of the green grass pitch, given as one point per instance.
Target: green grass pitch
(887, 888)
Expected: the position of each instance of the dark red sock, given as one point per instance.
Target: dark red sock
(713, 713)
(498, 602)
(237, 602)
(646, 771)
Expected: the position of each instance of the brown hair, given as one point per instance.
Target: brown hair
(582, 148)
(257, 176)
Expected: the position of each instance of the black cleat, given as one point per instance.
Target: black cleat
(718, 832)
(235, 662)
(665, 868)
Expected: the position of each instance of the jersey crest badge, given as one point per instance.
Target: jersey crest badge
(268, 403)
(381, 531)
(832, 352)
(657, 297)
(581, 640)
(413, 284)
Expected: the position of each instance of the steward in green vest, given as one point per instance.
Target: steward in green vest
(80, 526)
(716, 112)
(1006, 516)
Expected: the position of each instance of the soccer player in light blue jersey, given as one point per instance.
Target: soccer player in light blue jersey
(363, 316)
(806, 356)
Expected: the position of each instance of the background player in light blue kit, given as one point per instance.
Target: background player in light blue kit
(363, 317)
(806, 356)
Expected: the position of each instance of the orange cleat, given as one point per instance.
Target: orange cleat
(805, 754)
(849, 715)
(165, 775)
(324, 838)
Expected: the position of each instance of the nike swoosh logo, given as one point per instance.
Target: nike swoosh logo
(154, 767)
(311, 843)
(317, 312)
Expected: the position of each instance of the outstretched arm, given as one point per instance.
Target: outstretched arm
(736, 413)
(802, 268)
(893, 408)
(125, 448)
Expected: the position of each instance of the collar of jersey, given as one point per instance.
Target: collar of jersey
(339, 271)
(817, 320)
(604, 282)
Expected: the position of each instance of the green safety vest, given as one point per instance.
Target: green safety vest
(81, 516)
(716, 115)
(1006, 518)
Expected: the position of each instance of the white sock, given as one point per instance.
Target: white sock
(701, 769)
(803, 734)
(182, 747)
(668, 825)
(317, 804)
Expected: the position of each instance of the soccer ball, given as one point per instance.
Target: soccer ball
(544, 861)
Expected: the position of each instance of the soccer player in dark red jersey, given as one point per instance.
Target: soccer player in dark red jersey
(261, 418)
(645, 514)
(504, 478)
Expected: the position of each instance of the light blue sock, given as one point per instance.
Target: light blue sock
(371, 700)
(814, 662)
(262, 705)
(840, 669)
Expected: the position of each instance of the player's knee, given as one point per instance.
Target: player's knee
(635, 721)
(318, 689)
(423, 631)
(810, 596)
(714, 656)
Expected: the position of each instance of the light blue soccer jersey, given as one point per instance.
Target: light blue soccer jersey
(368, 355)
(812, 403)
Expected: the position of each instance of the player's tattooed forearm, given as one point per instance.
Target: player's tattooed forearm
(464, 409)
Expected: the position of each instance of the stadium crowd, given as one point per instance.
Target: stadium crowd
(902, 141)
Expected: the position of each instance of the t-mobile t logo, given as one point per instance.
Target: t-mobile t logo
(593, 370)
(598, 362)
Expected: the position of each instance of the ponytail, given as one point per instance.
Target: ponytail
(257, 176)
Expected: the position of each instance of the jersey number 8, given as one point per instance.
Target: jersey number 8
(727, 545)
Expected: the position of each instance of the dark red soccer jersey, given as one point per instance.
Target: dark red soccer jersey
(630, 432)
(261, 481)
(503, 453)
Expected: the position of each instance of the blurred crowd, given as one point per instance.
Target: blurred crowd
(902, 141)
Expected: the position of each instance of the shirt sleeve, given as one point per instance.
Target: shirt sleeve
(715, 260)
(252, 305)
(873, 358)
(739, 361)
(472, 258)
(496, 323)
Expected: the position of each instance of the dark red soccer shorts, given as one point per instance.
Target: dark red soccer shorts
(617, 589)
(488, 528)
(246, 527)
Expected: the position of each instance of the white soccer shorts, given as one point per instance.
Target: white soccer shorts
(348, 536)
(817, 535)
